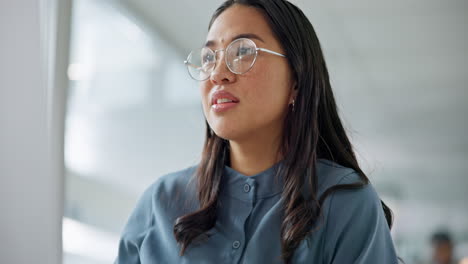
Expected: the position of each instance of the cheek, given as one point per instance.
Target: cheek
(204, 93)
(270, 86)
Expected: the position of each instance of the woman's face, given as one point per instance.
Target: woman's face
(263, 93)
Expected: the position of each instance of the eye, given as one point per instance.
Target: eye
(207, 58)
(244, 51)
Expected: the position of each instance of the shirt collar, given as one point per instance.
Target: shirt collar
(250, 188)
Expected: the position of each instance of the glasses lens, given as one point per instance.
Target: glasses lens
(241, 55)
(200, 63)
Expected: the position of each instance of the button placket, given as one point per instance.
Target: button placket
(246, 188)
(236, 244)
(249, 189)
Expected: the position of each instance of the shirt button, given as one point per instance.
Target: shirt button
(246, 188)
(236, 244)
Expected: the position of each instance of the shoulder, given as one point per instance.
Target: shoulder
(167, 186)
(355, 225)
(159, 200)
(330, 174)
(343, 204)
(173, 180)
(356, 213)
(168, 197)
(354, 201)
(172, 186)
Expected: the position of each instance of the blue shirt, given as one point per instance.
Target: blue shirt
(353, 230)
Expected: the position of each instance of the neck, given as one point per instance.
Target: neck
(255, 154)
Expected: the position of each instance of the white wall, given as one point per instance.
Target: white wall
(31, 140)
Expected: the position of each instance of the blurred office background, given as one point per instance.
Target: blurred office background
(399, 70)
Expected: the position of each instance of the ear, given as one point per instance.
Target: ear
(293, 92)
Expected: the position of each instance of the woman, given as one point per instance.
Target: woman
(278, 181)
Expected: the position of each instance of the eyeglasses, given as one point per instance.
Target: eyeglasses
(240, 56)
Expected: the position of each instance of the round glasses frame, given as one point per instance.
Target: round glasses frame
(212, 67)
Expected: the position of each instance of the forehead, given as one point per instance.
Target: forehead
(239, 20)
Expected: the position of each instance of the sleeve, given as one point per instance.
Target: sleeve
(135, 230)
(356, 229)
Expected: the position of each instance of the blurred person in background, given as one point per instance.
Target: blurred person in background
(442, 248)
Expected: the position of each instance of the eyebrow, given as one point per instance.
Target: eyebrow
(211, 43)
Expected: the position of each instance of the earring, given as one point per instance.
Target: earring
(293, 105)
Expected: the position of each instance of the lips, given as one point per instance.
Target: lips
(222, 101)
(220, 95)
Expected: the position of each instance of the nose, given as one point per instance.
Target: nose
(221, 73)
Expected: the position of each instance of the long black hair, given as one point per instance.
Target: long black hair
(313, 130)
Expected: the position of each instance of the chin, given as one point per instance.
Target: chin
(227, 133)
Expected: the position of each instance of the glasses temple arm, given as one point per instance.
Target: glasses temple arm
(271, 52)
(192, 65)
